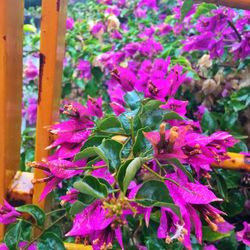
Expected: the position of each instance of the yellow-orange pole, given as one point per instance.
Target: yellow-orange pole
(73, 246)
(235, 162)
(53, 25)
(11, 40)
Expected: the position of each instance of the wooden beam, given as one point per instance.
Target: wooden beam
(238, 162)
(53, 26)
(11, 42)
(73, 246)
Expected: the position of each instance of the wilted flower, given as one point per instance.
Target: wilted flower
(113, 23)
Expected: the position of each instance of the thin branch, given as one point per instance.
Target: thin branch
(235, 30)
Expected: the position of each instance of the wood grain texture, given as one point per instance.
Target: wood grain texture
(53, 27)
(11, 42)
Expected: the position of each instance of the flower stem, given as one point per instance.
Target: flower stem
(153, 172)
(36, 238)
(55, 211)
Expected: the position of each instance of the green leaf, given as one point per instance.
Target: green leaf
(20, 231)
(91, 186)
(152, 118)
(133, 99)
(211, 236)
(127, 172)
(155, 193)
(12, 236)
(186, 7)
(29, 28)
(239, 147)
(50, 241)
(229, 243)
(171, 115)
(241, 99)
(234, 204)
(110, 123)
(221, 186)
(36, 212)
(95, 140)
(141, 144)
(178, 164)
(90, 152)
(76, 208)
(111, 149)
(203, 8)
(208, 122)
(125, 119)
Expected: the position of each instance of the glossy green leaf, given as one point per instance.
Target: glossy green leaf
(20, 231)
(90, 152)
(12, 236)
(211, 236)
(186, 7)
(133, 99)
(36, 212)
(111, 150)
(171, 115)
(178, 164)
(203, 8)
(141, 144)
(93, 141)
(110, 123)
(155, 193)
(234, 204)
(91, 186)
(50, 241)
(128, 171)
(76, 208)
(208, 122)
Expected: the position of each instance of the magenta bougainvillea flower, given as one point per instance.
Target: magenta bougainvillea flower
(8, 214)
(56, 171)
(31, 111)
(84, 69)
(21, 245)
(98, 29)
(31, 71)
(71, 196)
(102, 223)
(244, 234)
(148, 3)
(176, 105)
(70, 23)
(193, 197)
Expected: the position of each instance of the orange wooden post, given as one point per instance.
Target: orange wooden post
(53, 25)
(11, 32)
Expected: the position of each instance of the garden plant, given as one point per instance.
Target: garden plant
(154, 96)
